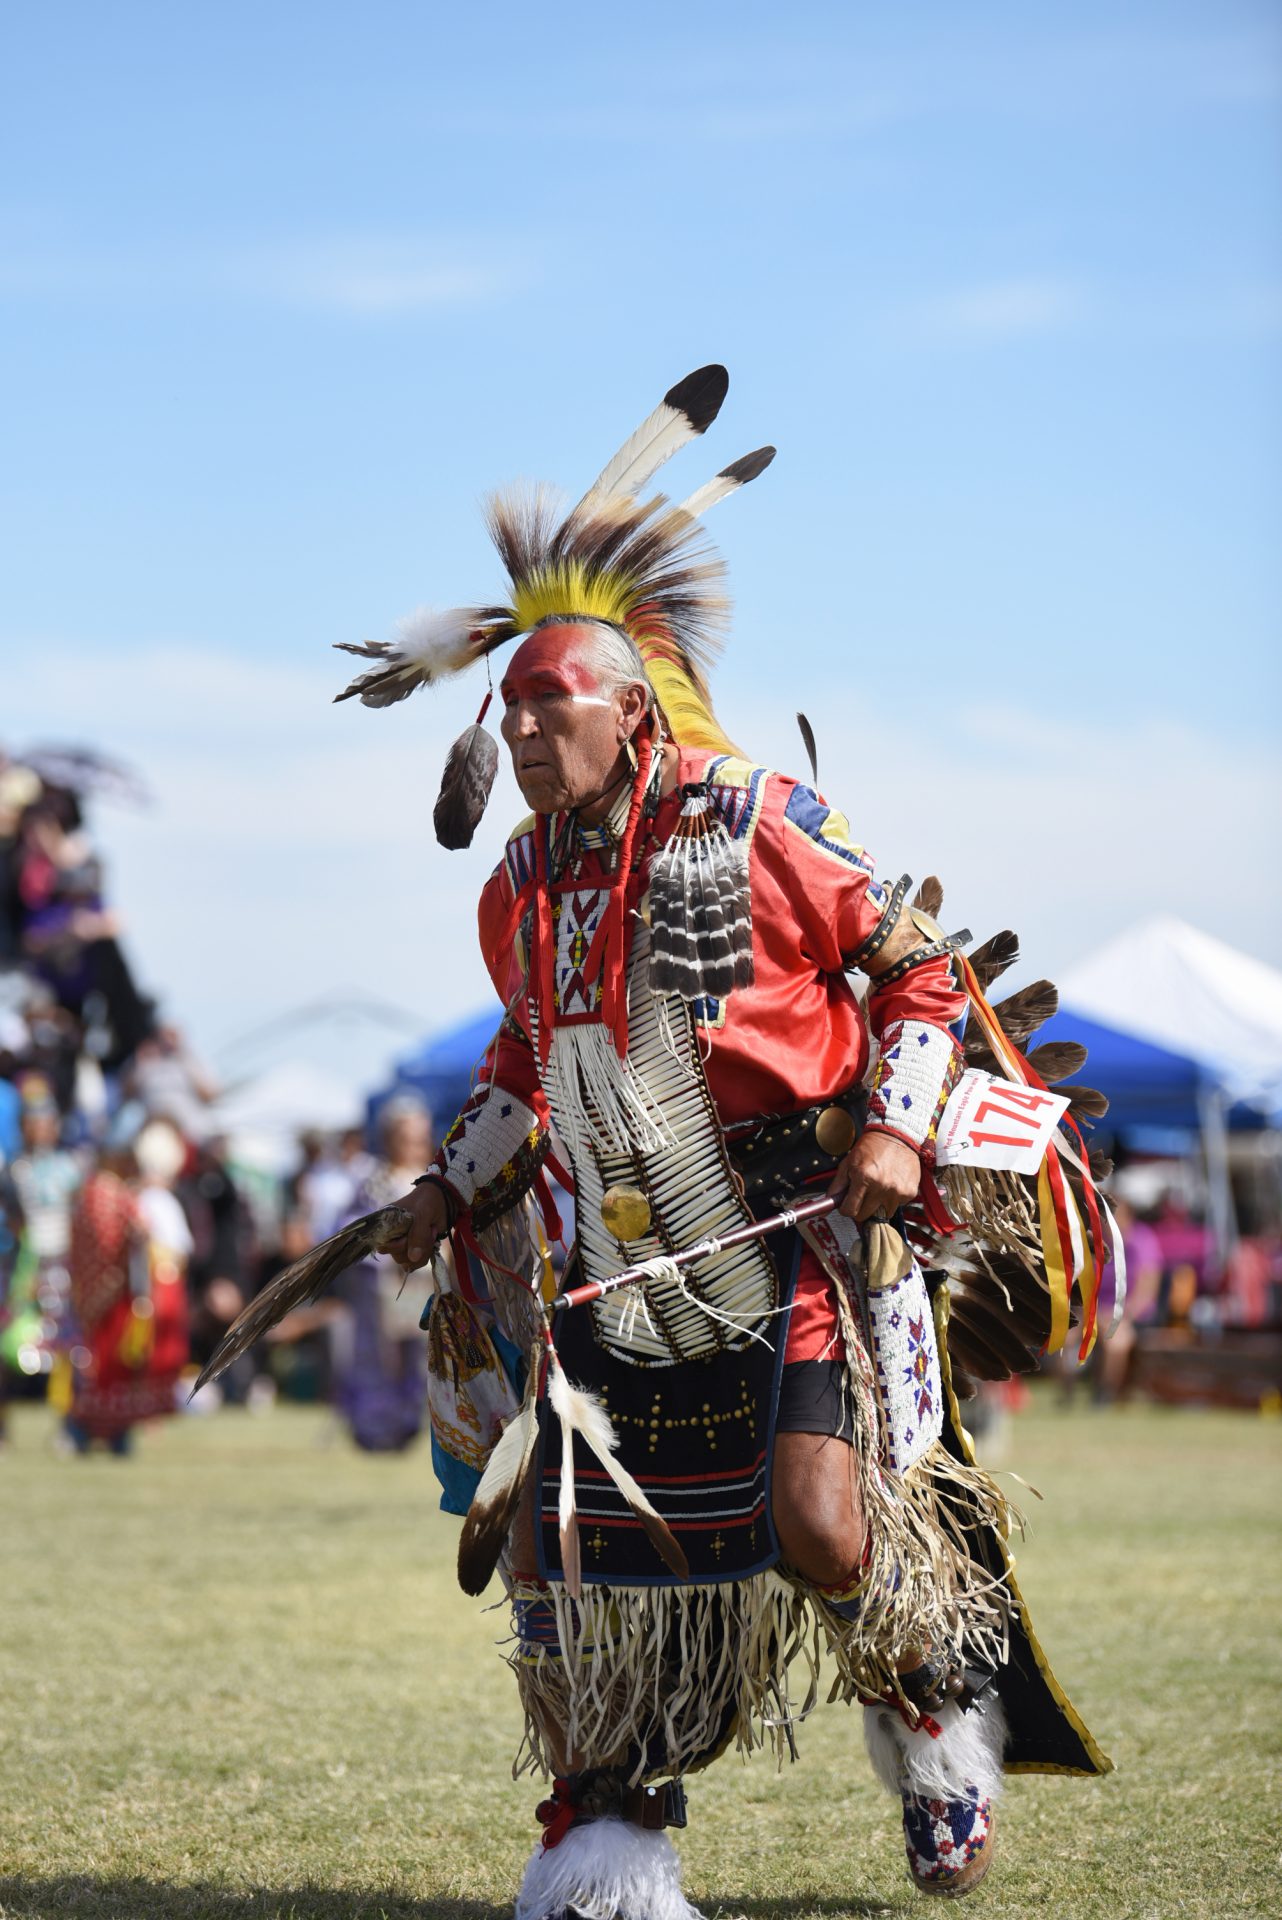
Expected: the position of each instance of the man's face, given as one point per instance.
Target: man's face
(564, 734)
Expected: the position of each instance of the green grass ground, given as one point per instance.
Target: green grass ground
(239, 1681)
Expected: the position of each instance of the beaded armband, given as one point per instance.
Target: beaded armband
(491, 1154)
(917, 1071)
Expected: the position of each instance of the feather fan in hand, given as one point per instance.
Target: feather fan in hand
(307, 1279)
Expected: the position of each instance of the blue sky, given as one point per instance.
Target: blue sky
(286, 289)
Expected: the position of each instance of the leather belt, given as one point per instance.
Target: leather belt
(782, 1154)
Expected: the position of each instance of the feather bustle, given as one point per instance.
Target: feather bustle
(929, 896)
(991, 960)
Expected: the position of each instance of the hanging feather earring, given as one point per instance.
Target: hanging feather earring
(466, 783)
(700, 908)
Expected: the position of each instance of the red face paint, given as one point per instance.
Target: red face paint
(563, 734)
(550, 662)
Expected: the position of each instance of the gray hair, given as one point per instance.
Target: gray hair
(613, 653)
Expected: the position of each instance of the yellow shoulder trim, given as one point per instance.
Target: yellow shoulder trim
(735, 771)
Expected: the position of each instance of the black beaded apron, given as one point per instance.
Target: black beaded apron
(697, 1435)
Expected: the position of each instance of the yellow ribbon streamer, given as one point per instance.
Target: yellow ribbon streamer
(1057, 1274)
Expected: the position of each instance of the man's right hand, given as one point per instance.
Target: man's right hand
(429, 1221)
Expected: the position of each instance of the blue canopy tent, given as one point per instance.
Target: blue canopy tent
(440, 1069)
(1151, 1090)
(1147, 1086)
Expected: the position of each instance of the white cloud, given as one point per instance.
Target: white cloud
(999, 310)
(291, 852)
(368, 275)
(364, 276)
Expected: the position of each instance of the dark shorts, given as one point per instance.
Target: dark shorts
(812, 1400)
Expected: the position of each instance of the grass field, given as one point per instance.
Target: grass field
(239, 1681)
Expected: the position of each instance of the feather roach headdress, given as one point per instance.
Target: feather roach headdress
(642, 565)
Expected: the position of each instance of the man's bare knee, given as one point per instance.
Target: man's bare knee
(815, 1504)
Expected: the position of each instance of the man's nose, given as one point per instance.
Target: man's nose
(523, 721)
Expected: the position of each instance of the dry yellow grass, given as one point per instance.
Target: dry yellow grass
(239, 1682)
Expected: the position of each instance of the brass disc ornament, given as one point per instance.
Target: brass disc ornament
(834, 1132)
(625, 1212)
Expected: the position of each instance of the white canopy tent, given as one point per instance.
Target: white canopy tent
(1165, 981)
(263, 1117)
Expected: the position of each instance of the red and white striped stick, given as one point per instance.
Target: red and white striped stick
(756, 1230)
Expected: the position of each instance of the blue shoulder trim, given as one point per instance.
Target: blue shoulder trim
(828, 828)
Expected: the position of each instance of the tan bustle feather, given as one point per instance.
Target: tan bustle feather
(498, 1497)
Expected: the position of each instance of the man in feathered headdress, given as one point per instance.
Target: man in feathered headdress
(707, 1473)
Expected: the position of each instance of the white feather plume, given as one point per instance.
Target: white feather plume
(582, 1413)
(428, 646)
(435, 644)
(607, 1869)
(966, 1752)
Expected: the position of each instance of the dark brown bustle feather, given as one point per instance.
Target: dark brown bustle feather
(1024, 1012)
(1088, 1101)
(929, 896)
(1057, 1059)
(989, 1322)
(964, 1387)
(966, 1350)
(991, 960)
(465, 787)
(1101, 1165)
(307, 1279)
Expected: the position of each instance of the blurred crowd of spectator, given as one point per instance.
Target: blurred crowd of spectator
(128, 1238)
